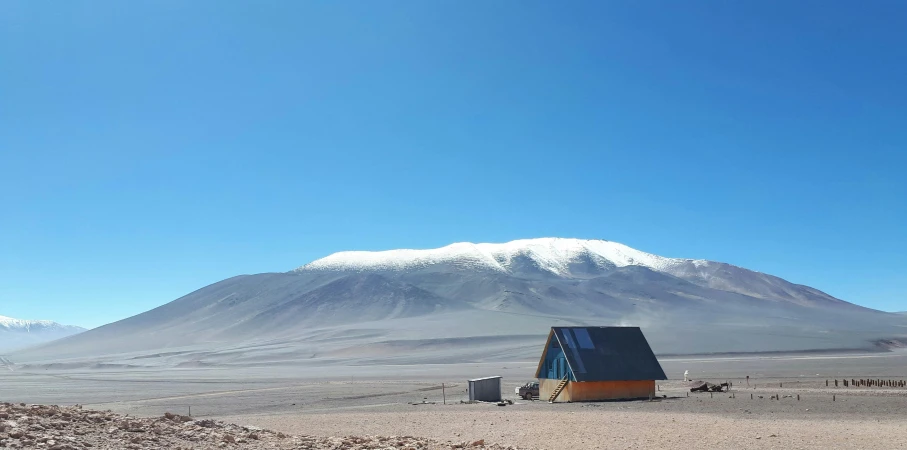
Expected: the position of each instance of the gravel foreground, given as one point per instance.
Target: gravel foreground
(73, 428)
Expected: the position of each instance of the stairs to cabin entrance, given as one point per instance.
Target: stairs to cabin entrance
(557, 390)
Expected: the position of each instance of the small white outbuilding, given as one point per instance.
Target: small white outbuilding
(486, 389)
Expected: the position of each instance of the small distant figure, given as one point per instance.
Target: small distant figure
(686, 375)
(747, 380)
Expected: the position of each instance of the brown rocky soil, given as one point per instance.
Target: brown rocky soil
(74, 428)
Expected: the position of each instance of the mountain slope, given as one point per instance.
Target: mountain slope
(479, 301)
(17, 334)
(569, 259)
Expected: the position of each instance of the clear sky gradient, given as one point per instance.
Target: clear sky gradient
(149, 148)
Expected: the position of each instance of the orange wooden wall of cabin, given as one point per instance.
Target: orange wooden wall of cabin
(597, 390)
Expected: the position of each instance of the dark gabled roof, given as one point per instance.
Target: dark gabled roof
(607, 353)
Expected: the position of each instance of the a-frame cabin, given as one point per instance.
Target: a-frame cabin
(597, 363)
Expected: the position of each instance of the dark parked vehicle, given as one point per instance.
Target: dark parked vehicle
(528, 391)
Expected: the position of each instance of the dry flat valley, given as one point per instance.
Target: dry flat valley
(383, 406)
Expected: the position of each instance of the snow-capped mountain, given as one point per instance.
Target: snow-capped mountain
(553, 255)
(576, 259)
(16, 333)
(483, 301)
(26, 325)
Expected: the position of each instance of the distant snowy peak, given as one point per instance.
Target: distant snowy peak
(554, 255)
(10, 324)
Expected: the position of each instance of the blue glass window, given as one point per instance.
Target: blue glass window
(582, 336)
(568, 338)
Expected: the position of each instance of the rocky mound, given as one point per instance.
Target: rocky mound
(73, 428)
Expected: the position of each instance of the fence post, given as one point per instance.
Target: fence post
(444, 393)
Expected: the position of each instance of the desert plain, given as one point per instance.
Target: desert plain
(784, 404)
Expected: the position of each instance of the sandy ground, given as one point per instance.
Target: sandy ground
(359, 400)
(822, 418)
(607, 429)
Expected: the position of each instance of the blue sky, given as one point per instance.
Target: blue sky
(148, 149)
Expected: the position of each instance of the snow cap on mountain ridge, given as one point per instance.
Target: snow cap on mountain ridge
(9, 322)
(18, 324)
(551, 254)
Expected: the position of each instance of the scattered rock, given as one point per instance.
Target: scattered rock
(72, 428)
